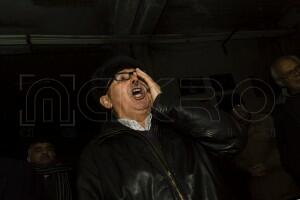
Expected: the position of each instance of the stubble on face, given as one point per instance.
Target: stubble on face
(42, 154)
(131, 98)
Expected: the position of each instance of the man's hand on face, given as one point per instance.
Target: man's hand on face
(153, 86)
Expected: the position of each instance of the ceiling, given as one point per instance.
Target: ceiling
(134, 17)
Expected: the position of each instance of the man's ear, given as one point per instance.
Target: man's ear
(105, 101)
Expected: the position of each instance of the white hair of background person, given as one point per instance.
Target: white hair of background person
(274, 74)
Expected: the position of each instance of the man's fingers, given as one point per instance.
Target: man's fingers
(143, 75)
(151, 83)
(146, 78)
(154, 87)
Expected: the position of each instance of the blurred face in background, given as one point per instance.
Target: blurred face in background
(289, 73)
(41, 153)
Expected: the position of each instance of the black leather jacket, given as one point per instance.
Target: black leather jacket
(287, 126)
(123, 164)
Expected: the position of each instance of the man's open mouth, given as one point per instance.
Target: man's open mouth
(138, 92)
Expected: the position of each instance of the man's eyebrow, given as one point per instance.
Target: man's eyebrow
(125, 72)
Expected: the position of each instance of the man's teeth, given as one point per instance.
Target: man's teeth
(136, 91)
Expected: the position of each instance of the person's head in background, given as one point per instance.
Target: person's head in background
(286, 73)
(41, 153)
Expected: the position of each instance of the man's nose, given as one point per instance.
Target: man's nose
(134, 77)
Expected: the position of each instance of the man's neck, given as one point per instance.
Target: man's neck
(142, 121)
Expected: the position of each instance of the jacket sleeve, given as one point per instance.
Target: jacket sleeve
(213, 129)
(88, 180)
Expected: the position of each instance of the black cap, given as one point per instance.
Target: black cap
(107, 71)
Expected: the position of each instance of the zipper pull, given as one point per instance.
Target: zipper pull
(175, 185)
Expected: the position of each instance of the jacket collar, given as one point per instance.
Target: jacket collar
(135, 125)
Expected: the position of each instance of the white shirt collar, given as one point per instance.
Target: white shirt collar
(135, 125)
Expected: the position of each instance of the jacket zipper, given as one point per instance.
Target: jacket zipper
(158, 157)
(175, 185)
(165, 166)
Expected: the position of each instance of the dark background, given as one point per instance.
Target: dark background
(49, 49)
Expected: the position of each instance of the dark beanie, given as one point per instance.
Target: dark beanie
(107, 70)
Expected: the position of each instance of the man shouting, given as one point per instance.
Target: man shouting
(150, 150)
